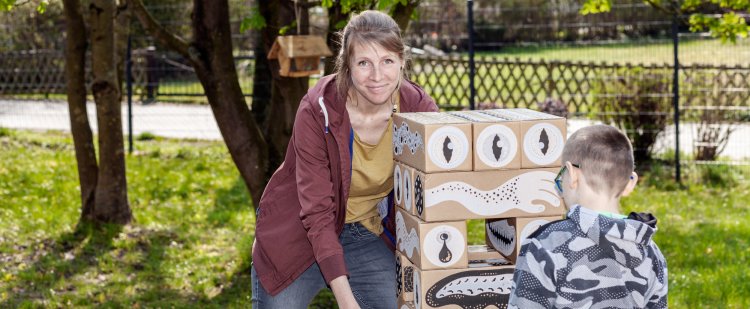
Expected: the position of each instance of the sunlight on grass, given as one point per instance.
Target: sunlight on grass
(189, 244)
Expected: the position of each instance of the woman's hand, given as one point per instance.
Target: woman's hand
(343, 292)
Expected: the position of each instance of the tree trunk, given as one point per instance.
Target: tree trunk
(335, 16)
(214, 64)
(111, 204)
(123, 17)
(286, 92)
(402, 13)
(75, 63)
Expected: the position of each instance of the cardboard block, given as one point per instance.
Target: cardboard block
(403, 186)
(483, 253)
(433, 245)
(478, 286)
(405, 304)
(404, 278)
(432, 142)
(496, 141)
(486, 194)
(542, 136)
(507, 235)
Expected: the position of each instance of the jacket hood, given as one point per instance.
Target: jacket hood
(628, 238)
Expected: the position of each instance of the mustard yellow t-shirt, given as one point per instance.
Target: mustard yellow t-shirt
(372, 180)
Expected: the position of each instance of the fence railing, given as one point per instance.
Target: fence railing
(507, 82)
(714, 100)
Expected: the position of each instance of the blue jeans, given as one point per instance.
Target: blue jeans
(372, 275)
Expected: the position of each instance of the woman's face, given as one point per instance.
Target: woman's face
(375, 73)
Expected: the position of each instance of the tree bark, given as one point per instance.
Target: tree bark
(218, 75)
(111, 205)
(75, 64)
(123, 18)
(402, 13)
(286, 92)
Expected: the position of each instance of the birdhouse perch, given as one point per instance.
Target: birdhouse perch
(299, 55)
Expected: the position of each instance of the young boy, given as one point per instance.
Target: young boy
(596, 257)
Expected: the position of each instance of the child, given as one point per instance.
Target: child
(596, 257)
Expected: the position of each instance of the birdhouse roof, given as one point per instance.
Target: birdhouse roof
(296, 46)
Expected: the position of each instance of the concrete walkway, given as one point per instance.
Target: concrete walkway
(197, 121)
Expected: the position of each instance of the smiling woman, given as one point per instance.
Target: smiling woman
(326, 216)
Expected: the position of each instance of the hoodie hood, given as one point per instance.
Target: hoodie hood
(628, 238)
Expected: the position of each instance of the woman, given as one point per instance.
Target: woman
(318, 219)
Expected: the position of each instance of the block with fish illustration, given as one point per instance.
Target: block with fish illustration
(506, 235)
(432, 245)
(404, 278)
(542, 136)
(432, 141)
(486, 194)
(477, 286)
(403, 187)
(495, 141)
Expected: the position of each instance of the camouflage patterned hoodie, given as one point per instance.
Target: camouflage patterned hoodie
(591, 261)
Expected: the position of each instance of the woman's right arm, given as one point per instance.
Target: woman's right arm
(316, 191)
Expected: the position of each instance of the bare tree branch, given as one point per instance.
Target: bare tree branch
(159, 32)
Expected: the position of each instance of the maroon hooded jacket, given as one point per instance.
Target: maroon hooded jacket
(303, 207)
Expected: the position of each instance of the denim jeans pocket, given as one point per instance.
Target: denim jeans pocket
(359, 232)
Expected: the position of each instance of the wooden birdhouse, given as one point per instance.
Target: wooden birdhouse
(299, 55)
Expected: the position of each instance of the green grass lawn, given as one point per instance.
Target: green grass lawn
(189, 245)
(691, 51)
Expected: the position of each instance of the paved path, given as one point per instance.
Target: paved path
(197, 121)
(167, 120)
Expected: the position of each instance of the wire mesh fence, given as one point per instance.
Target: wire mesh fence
(538, 55)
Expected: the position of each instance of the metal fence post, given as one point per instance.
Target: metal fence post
(129, 85)
(676, 94)
(472, 90)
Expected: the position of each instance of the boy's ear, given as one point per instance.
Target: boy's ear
(631, 185)
(574, 174)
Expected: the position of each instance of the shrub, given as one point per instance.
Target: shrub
(636, 101)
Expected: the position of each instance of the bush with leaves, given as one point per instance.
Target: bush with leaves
(637, 101)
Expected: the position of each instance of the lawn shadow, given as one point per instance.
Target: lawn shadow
(57, 269)
(228, 202)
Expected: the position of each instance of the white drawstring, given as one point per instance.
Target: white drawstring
(325, 112)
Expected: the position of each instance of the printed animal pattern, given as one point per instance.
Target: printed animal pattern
(525, 192)
(409, 279)
(419, 194)
(399, 281)
(407, 191)
(502, 236)
(397, 184)
(408, 241)
(444, 245)
(496, 146)
(474, 289)
(543, 143)
(448, 147)
(402, 136)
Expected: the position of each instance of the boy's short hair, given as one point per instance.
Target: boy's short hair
(604, 155)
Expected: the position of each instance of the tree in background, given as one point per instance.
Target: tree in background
(725, 19)
(256, 141)
(104, 197)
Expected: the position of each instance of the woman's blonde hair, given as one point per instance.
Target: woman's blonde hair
(370, 27)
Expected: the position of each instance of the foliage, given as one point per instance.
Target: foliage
(633, 101)
(727, 25)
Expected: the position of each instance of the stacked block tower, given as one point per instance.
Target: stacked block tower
(496, 165)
